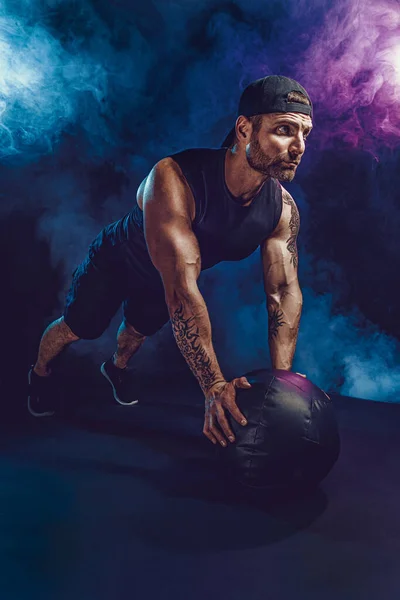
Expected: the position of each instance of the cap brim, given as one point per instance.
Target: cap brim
(229, 139)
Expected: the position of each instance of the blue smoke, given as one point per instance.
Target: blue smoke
(44, 87)
(92, 94)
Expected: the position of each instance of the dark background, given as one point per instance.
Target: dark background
(92, 94)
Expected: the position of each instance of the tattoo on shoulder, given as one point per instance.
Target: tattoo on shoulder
(274, 322)
(187, 337)
(294, 225)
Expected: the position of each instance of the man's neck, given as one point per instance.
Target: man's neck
(241, 180)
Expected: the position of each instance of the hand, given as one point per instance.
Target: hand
(219, 397)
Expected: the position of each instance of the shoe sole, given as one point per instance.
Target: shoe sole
(30, 409)
(103, 372)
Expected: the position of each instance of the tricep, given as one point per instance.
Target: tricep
(168, 211)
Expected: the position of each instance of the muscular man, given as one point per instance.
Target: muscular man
(195, 209)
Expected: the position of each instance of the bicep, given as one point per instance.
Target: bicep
(279, 252)
(172, 244)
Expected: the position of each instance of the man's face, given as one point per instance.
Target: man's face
(277, 148)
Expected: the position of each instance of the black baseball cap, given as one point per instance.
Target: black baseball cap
(269, 95)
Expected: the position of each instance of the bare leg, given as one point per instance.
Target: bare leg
(56, 337)
(129, 341)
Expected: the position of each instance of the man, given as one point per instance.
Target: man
(196, 208)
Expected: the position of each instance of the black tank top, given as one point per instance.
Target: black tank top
(226, 231)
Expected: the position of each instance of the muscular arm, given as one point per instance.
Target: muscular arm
(168, 209)
(284, 297)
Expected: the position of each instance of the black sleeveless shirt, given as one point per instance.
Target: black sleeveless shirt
(226, 231)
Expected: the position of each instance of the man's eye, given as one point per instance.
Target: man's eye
(284, 129)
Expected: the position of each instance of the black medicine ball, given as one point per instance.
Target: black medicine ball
(291, 439)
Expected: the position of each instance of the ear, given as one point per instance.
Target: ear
(243, 129)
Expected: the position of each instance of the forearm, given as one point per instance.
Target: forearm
(192, 331)
(284, 312)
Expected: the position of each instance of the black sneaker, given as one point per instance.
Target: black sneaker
(120, 381)
(40, 396)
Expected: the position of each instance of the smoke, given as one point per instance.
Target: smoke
(343, 353)
(352, 71)
(92, 94)
(67, 66)
(346, 54)
(43, 88)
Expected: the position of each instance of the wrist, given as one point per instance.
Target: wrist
(282, 367)
(214, 387)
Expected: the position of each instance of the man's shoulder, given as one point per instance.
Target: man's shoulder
(287, 198)
(196, 155)
(189, 160)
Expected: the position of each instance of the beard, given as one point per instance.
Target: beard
(260, 162)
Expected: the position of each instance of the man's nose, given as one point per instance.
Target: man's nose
(298, 146)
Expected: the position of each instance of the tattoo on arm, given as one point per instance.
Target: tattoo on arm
(294, 226)
(187, 337)
(274, 322)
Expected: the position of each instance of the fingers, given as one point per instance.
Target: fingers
(223, 422)
(241, 382)
(215, 418)
(208, 434)
(212, 432)
(235, 412)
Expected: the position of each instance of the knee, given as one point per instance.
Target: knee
(132, 331)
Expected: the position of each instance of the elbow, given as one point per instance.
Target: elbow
(291, 293)
(181, 291)
(177, 294)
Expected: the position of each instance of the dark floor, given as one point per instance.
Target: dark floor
(110, 502)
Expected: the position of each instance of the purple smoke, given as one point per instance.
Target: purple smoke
(352, 71)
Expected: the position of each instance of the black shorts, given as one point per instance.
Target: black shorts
(96, 295)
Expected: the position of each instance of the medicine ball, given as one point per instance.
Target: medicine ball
(291, 439)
